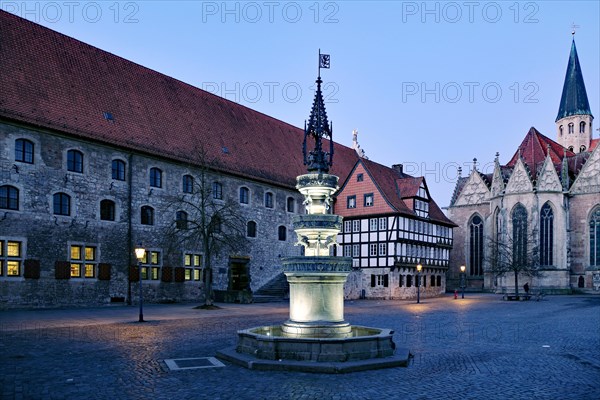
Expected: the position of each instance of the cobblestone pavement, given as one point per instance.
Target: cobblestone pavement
(477, 348)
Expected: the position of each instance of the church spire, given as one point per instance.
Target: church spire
(318, 128)
(574, 100)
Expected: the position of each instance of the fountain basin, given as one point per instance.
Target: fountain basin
(271, 343)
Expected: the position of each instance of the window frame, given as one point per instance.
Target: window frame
(282, 233)
(147, 215)
(244, 195)
(64, 201)
(546, 235)
(192, 263)
(75, 161)
(269, 200)
(23, 149)
(187, 184)
(155, 175)
(118, 168)
(82, 263)
(290, 204)
(368, 196)
(251, 229)
(476, 250)
(8, 261)
(351, 202)
(217, 190)
(10, 199)
(112, 212)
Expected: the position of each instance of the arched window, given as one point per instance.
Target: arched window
(24, 151)
(107, 210)
(571, 127)
(570, 148)
(269, 200)
(155, 177)
(147, 217)
(595, 238)
(188, 184)
(582, 127)
(282, 233)
(546, 235)
(476, 246)
(62, 204)
(75, 161)
(181, 220)
(217, 191)
(582, 149)
(9, 197)
(519, 222)
(291, 204)
(251, 229)
(244, 195)
(118, 170)
(560, 130)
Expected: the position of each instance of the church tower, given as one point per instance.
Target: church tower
(574, 120)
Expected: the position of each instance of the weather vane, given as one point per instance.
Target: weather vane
(573, 27)
(318, 128)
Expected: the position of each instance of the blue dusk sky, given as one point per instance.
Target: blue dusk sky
(428, 84)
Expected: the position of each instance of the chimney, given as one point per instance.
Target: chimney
(399, 168)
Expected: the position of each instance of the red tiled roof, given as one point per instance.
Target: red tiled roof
(53, 81)
(398, 188)
(594, 143)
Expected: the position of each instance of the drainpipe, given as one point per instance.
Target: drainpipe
(129, 224)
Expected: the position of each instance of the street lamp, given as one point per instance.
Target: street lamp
(462, 280)
(419, 268)
(140, 252)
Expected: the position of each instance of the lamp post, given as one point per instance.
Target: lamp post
(139, 254)
(419, 268)
(462, 280)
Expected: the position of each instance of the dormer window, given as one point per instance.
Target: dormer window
(421, 208)
(582, 127)
(422, 193)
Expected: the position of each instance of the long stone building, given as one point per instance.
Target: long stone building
(546, 198)
(97, 154)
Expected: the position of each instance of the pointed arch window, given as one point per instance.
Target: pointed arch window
(546, 235)
(582, 127)
(476, 246)
(595, 238)
(519, 222)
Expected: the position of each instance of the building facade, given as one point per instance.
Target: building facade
(545, 199)
(391, 224)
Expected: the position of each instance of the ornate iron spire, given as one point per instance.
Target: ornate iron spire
(318, 128)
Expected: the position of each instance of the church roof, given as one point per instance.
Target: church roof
(574, 100)
(533, 151)
(55, 82)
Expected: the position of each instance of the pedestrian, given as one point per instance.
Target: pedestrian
(526, 287)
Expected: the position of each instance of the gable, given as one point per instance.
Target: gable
(588, 180)
(519, 181)
(360, 188)
(475, 191)
(497, 181)
(548, 180)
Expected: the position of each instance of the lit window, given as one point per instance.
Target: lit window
(217, 191)
(188, 184)
(244, 195)
(151, 264)
(118, 170)
(269, 200)
(9, 197)
(251, 229)
(147, 215)
(351, 202)
(282, 233)
(11, 258)
(369, 200)
(62, 204)
(155, 177)
(75, 161)
(193, 268)
(83, 260)
(181, 220)
(24, 151)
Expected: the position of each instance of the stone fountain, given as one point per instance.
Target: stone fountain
(316, 337)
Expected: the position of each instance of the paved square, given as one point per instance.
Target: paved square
(477, 348)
